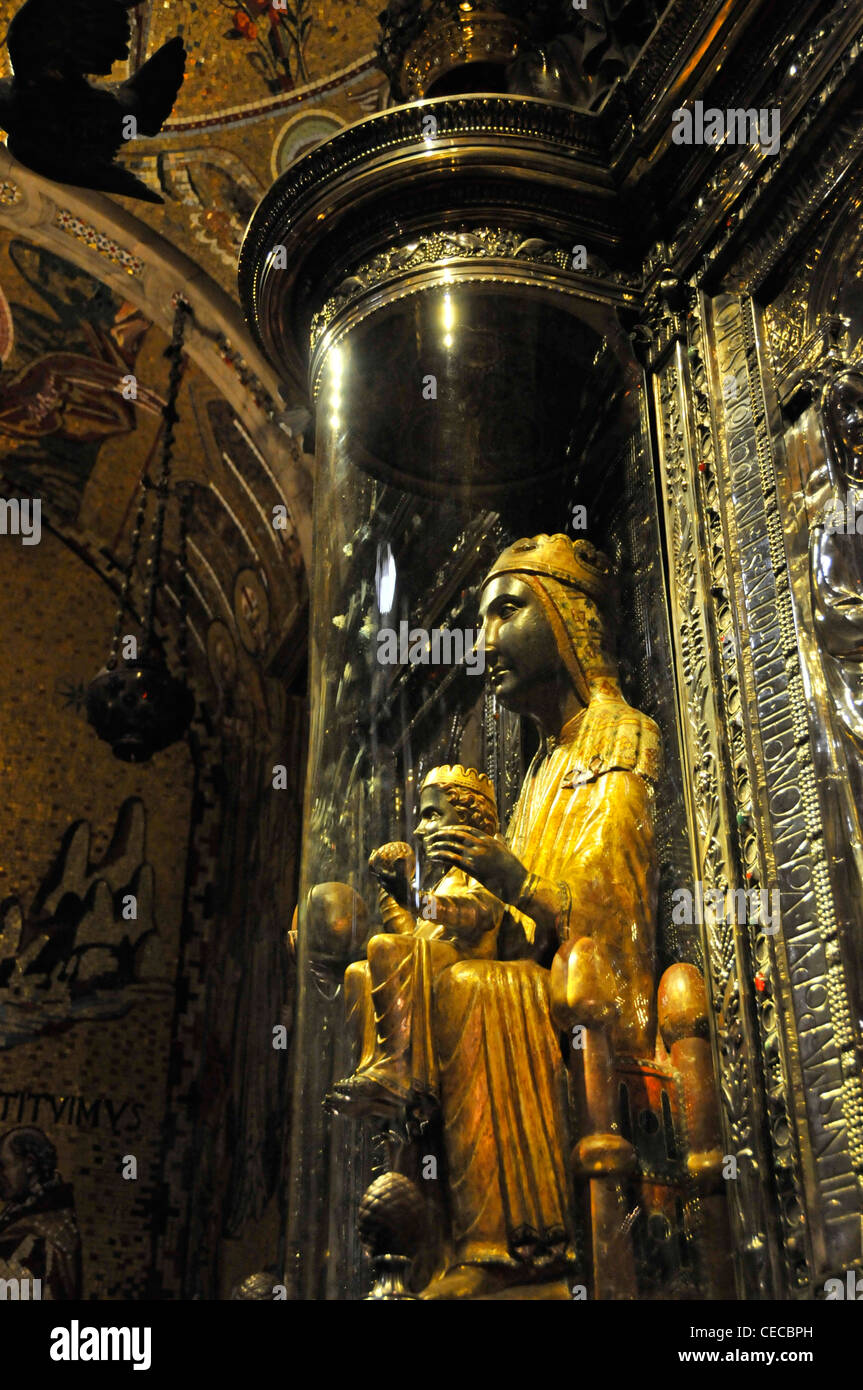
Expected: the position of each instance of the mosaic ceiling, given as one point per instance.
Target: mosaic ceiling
(262, 87)
(244, 54)
(69, 435)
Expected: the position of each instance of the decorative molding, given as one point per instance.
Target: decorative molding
(275, 106)
(800, 205)
(557, 134)
(98, 241)
(724, 212)
(668, 48)
(438, 248)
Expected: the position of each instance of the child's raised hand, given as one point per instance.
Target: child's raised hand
(393, 865)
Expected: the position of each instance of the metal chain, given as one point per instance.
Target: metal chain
(170, 417)
(183, 585)
(134, 546)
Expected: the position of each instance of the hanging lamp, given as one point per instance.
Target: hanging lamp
(135, 703)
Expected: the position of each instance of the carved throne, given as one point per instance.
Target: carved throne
(647, 1163)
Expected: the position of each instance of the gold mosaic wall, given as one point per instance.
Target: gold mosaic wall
(102, 1028)
(97, 1088)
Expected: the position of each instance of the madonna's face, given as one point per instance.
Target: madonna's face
(846, 410)
(522, 658)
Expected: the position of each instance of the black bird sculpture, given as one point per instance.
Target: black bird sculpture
(61, 126)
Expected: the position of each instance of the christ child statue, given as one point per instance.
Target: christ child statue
(389, 996)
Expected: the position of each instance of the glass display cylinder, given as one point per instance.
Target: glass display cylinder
(478, 396)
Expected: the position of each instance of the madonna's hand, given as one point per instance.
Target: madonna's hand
(482, 856)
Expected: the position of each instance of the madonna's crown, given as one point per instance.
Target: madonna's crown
(573, 562)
